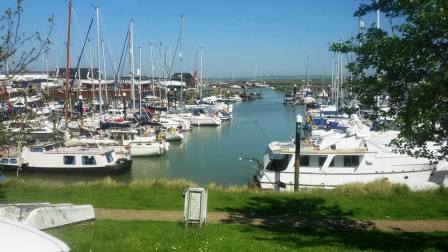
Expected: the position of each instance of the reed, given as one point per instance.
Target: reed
(162, 182)
(377, 187)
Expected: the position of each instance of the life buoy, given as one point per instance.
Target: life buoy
(314, 127)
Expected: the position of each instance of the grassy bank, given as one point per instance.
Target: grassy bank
(161, 236)
(378, 200)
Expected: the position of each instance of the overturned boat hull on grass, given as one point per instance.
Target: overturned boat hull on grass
(47, 215)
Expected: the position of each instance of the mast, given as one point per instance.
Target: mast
(307, 71)
(378, 17)
(67, 64)
(196, 72)
(99, 58)
(46, 70)
(140, 78)
(341, 79)
(104, 71)
(332, 77)
(131, 55)
(91, 70)
(152, 70)
(181, 59)
(256, 73)
(201, 83)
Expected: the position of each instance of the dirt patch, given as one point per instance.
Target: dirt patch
(412, 225)
(233, 218)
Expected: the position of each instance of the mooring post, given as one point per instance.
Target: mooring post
(297, 161)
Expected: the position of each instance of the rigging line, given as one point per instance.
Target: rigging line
(121, 58)
(82, 51)
(110, 60)
(124, 63)
(174, 54)
(78, 30)
(261, 130)
(108, 44)
(77, 25)
(79, 59)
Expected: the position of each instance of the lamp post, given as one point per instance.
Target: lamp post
(124, 104)
(297, 153)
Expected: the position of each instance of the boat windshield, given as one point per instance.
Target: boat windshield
(278, 162)
(109, 157)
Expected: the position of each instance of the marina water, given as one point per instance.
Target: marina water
(211, 154)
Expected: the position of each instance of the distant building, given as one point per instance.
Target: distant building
(186, 77)
(84, 72)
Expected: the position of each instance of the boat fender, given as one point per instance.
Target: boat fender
(160, 137)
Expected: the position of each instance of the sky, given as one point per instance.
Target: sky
(238, 37)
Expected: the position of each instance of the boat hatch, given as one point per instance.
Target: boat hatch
(37, 149)
(278, 162)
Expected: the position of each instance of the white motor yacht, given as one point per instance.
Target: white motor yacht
(202, 117)
(140, 145)
(354, 156)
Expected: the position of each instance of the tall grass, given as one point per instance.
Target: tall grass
(377, 187)
(380, 186)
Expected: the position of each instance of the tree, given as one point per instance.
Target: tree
(18, 50)
(410, 64)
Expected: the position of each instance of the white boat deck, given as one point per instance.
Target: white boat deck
(80, 150)
(289, 148)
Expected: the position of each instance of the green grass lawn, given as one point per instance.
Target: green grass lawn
(163, 236)
(382, 204)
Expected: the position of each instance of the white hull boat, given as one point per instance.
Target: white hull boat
(52, 158)
(47, 215)
(139, 145)
(348, 157)
(145, 148)
(202, 120)
(18, 237)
